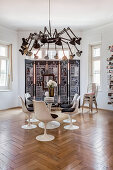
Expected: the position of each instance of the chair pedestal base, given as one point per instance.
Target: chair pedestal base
(33, 120)
(28, 126)
(45, 137)
(68, 121)
(50, 125)
(71, 127)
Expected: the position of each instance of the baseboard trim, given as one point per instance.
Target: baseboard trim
(95, 108)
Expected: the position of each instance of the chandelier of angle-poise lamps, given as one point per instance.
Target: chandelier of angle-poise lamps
(45, 38)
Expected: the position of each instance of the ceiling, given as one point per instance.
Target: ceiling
(31, 14)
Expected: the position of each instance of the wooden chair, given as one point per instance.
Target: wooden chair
(90, 96)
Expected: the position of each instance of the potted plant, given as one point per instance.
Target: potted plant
(51, 84)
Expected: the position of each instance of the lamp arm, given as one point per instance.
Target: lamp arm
(76, 48)
(69, 47)
(63, 50)
(30, 42)
(39, 48)
(72, 32)
(65, 38)
(55, 33)
(46, 30)
(67, 33)
(61, 32)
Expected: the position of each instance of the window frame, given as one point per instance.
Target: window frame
(6, 58)
(91, 60)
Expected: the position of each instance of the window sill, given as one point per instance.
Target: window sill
(7, 90)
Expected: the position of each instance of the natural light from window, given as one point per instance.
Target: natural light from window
(3, 66)
(96, 61)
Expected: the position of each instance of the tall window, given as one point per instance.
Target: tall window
(95, 64)
(4, 66)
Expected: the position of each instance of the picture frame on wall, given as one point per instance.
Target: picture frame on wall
(46, 78)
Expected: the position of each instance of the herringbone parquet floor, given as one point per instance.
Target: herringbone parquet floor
(88, 148)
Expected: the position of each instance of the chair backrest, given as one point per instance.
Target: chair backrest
(76, 104)
(24, 109)
(41, 111)
(75, 97)
(27, 95)
(92, 88)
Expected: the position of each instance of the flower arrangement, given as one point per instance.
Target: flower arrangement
(51, 84)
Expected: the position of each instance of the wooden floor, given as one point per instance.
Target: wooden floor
(88, 148)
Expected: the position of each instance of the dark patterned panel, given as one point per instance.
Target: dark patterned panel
(40, 70)
(63, 81)
(29, 77)
(74, 73)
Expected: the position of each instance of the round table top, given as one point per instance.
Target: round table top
(49, 99)
(46, 99)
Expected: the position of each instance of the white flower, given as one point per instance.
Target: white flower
(48, 84)
(51, 83)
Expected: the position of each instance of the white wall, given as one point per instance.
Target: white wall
(10, 98)
(105, 35)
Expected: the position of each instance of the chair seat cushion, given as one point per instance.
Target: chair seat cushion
(54, 116)
(30, 109)
(90, 94)
(30, 105)
(68, 110)
(66, 105)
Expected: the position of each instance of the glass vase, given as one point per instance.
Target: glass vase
(51, 92)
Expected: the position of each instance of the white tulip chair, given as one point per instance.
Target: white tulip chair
(24, 109)
(43, 114)
(69, 106)
(72, 111)
(30, 103)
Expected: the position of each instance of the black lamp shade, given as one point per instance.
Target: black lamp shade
(59, 42)
(72, 42)
(21, 51)
(43, 39)
(36, 45)
(78, 41)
